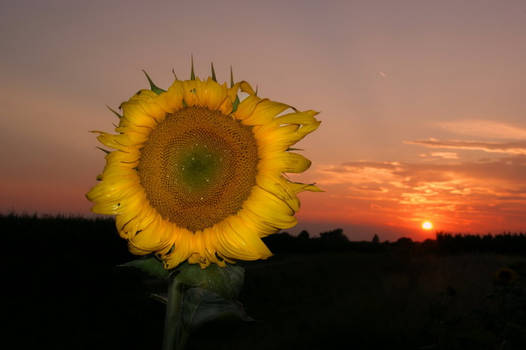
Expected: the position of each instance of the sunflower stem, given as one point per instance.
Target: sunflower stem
(175, 333)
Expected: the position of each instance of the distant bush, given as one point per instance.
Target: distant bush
(505, 243)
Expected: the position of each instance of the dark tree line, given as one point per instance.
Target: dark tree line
(444, 243)
(505, 243)
(72, 235)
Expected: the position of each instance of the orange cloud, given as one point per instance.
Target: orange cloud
(518, 147)
(445, 155)
(463, 197)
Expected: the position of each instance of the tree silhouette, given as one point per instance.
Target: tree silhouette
(304, 235)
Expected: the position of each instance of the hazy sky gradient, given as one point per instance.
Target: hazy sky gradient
(423, 102)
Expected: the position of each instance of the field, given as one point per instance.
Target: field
(64, 292)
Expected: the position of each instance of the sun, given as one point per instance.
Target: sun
(427, 225)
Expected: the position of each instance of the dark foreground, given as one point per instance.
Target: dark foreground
(64, 292)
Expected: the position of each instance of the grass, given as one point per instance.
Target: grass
(64, 292)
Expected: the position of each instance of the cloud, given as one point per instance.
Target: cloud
(444, 155)
(464, 196)
(518, 147)
(485, 129)
(457, 195)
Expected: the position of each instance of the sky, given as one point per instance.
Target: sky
(422, 102)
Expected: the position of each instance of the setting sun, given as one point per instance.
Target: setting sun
(427, 225)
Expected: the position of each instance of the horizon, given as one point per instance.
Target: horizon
(422, 104)
(313, 229)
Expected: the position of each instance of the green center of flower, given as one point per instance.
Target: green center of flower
(198, 167)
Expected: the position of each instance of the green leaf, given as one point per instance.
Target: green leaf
(225, 281)
(201, 306)
(149, 265)
(235, 104)
(153, 87)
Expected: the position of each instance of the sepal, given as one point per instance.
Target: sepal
(225, 281)
(149, 265)
(153, 87)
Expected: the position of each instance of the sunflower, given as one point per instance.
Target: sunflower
(196, 174)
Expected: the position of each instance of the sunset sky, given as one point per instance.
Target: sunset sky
(423, 103)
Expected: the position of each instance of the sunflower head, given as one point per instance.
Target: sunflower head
(196, 174)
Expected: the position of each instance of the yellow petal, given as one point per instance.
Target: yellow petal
(298, 187)
(245, 87)
(286, 162)
(203, 247)
(112, 170)
(209, 241)
(123, 159)
(226, 107)
(122, 220)
(144, 102)
(137, 131)
(254, 223)
(182, 248)
(232, 92)
(137, 251)
(113, 141)
(143, 95)
(112, 178)
(153, 236)
(172, 99)
(285, 189)
(270, 209)
(211, 94)
(104, 191)
(298, 118)
(265, 112)
(238, 242)
(190, 88)
(130, 221)
(136, 116)
(275, 139)
(278, 186)
(246, 107)
(112, 204)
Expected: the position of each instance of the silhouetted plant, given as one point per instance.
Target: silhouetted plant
(304, 235)
(334, 240)
(280, 242)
